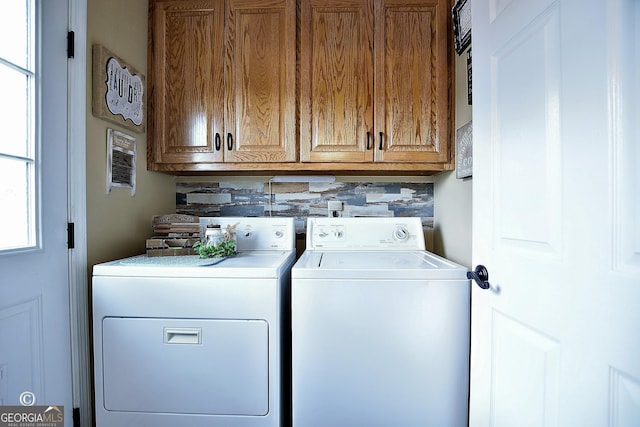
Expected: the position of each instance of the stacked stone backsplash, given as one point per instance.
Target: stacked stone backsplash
(304, 199)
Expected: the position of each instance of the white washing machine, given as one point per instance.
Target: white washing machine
(181, 341)
(380, 328)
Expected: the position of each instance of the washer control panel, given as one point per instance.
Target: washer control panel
(365, 234)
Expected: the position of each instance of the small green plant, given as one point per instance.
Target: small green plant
(223, 249)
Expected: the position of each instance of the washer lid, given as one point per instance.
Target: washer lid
(376, 265)
(250, 264)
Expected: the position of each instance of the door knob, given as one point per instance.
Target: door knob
(480, 275)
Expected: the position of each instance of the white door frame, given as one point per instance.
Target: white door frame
(77, 214)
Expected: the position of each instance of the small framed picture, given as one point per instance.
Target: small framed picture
(462, 25)
(121, 161)
(464, 151)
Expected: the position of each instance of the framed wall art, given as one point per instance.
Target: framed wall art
(121, 161)
(118, 91)
(461, 25)
(464, 151)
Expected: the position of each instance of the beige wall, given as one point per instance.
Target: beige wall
(117, 223)
(452, 196)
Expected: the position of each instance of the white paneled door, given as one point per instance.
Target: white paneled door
(35, 348)
(556, 213)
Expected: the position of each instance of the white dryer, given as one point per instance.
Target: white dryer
(380, 328)
(181, 341)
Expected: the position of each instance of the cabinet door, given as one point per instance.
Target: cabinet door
(260, 81)
(186, 69)
(336, 81)
(412, 80)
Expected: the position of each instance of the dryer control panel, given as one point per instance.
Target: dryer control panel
(368, 234)
(254, 234)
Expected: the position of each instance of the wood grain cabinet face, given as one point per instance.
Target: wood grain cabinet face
(336, 80)
(260, 70)
(375, 81)
(222, 81)
(373, 85)
(186, 80)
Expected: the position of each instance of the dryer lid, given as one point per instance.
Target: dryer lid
(249, 264)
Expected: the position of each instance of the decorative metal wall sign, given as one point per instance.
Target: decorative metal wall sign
(121, 161)
(118, 90)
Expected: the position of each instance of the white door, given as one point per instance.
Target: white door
(556, 213)
(35, 359)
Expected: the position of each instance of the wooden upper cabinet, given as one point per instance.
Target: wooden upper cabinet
(186, 110)
(375, 81)
(412, 81)
(336, 81)
(372, 79)
(261, 81)
(222, 81)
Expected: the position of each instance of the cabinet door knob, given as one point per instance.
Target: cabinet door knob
(368, 140)
(217, 141)
(380, 147)
(229, 142)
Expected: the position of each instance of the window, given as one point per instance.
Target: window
(18, 136)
